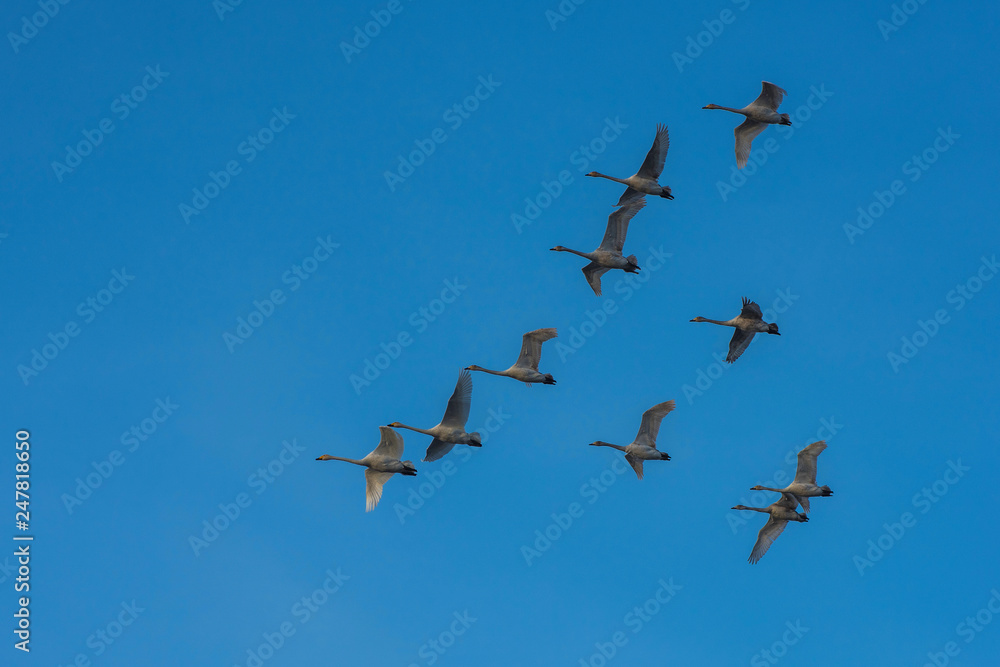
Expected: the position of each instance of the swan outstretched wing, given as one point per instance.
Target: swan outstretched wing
(652, 166)
(531, 347)
(766, 537)
(806, 470)
(374, 481)
(437, 449)
(636, 464)
(745, 133)
(593, 272)
(739, 343)
(390, 446)
(457, 413)
(649, 428)
(617, 229)
(770, 96)
(751, 310)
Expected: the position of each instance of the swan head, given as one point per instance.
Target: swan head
(698, 319)
(558, 248)
(757, 488)
(593, 173)
(394, 425)
(325, 457)
(739, 507)
(772, 328)
(710, 106)
(473, 367)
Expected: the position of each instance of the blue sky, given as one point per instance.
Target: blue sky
(153, 409)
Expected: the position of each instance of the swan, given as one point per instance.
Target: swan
(646, 180)
(760, 113)
(609, 254)
(782, 511)
(643, 448)
(380, 465)
(747, 323)
(804, 485)
(525, 368)
(451, 430)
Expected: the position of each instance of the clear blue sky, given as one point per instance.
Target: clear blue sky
(287, 137)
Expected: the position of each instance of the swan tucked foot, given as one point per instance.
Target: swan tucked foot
(549, 380)
(785, 119)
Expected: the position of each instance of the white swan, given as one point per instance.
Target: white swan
(804, 485)
(381, 463)
(781, 512)
(451, 430)
(750, 321)
(643, 448)
(647, 179)
(525, 368)
(760, 113)
(609, 254)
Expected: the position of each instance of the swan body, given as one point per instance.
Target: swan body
(451, 430)
(760, 113)
(525, 368)
(748, 323)
(643, 448)
(804, 485)
(381, 464)
(781, 512)
(646, 181)
(609, 254)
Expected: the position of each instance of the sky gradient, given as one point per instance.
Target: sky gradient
(237, 237)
